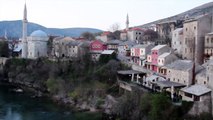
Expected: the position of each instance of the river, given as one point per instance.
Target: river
(22, 106)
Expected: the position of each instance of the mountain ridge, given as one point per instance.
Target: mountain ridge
(14, 29)
(206, 8)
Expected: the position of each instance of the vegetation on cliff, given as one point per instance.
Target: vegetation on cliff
(78, 80)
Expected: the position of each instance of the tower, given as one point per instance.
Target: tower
(127, 22)
(24, 33)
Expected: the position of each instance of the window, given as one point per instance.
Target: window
(185, 50)
(190, 50)
(211, 40)
(196, 98)
(180, 43)
(173, 79)
(158, 60)
(208, 79)
(207, 40)
(186, 29)
(185, 40)
(188, 95)
(204, 82)
(194, 28)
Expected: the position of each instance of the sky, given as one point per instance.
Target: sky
(99, 14)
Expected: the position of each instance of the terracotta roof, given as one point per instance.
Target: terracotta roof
(105, 33)
(136, 29)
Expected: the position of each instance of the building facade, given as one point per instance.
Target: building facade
(155, 53)
(139, 53)
(37, 44)
(208, 46)
(96, 48)
(194, 31)
(177, 40)
(180, 71)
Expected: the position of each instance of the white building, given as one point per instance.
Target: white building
(37, 44)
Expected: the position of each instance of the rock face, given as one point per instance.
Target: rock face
(200, 107)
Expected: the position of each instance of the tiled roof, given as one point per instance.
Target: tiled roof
(107, 52)
(197, 90)
(127, 72)
(181, 65)
(128, 42)
(158, 47)
(136, 29)
(164, 55)
(114, 42)
(141, 46)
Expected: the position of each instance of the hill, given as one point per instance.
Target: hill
(14, 29)
(203, 9)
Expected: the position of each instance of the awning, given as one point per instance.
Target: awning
(169, 84)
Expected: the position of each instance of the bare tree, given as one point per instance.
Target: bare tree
(114, 27)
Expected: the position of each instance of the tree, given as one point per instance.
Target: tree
(88, 35)
(115, 35)
(4, 49)
(12, 46)
(114, 27)
(150, 35)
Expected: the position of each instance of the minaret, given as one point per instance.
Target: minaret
(127, 22)
(24, 33)
(5, 34)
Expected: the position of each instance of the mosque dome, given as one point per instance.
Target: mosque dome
(38, 33)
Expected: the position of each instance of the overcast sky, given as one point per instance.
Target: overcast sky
(99, 14)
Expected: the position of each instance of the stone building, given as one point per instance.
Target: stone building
(105, 36)
(180, 71)
(60, 47)
(196, 93)
(165, 29)
(135, 34)
(208, 46)
(177, 40)
(194, 31)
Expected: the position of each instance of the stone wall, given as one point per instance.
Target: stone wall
(201, 106)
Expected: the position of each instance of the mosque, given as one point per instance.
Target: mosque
(35, 45)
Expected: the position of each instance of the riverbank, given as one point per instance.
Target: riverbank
(63, 83)
(43, 103)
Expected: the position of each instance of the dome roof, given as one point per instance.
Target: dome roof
(38, 33)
